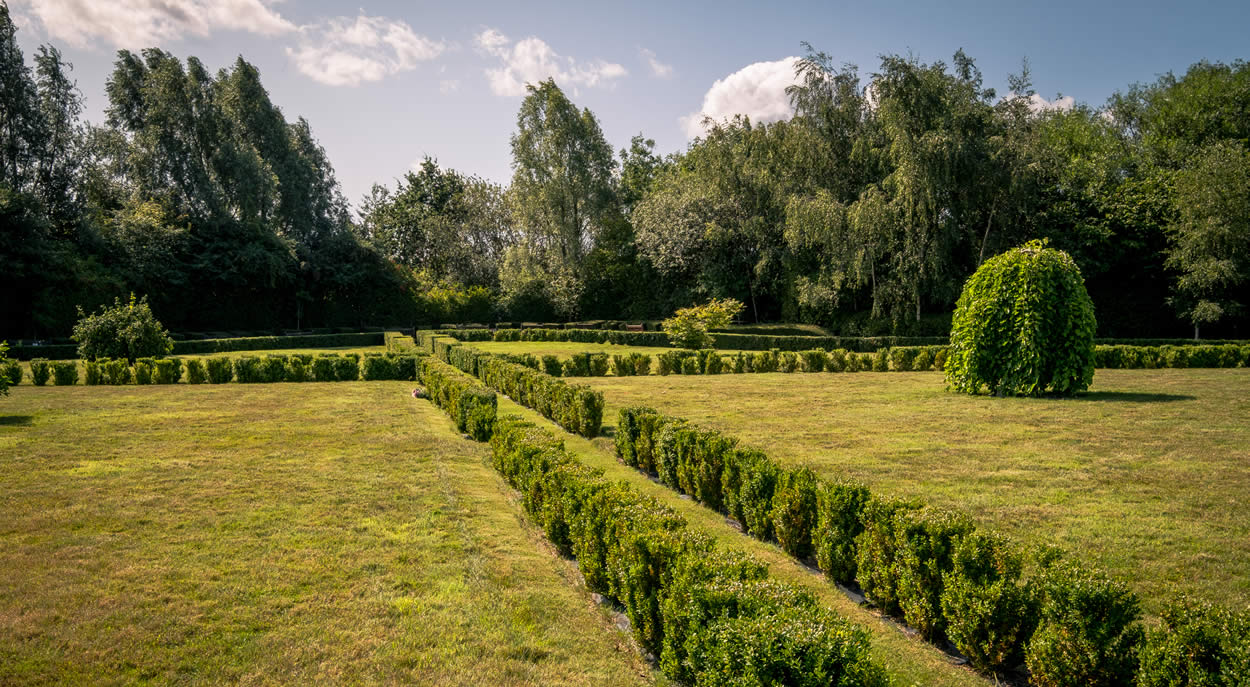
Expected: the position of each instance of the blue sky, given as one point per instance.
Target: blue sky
(384, 82)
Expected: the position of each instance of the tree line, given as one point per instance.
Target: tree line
(864, 212)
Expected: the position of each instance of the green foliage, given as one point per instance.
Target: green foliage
(839, 513)
(575, 407)
(115, 371)
(389, 366)
(219, 370)
(688, 327)
(168, 370)
(197, 372)
(65, 373)
(143, 369)
(794, 513)
(1088, 632)
(127, 331)
(552, 365)
(711, 615)
(989, 612)
(1197, 644)
(1023, 326)
(471, 405)
(40, 372)
(10, 370)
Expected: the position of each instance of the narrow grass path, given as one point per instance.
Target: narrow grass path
(276, 534)
(908, 660)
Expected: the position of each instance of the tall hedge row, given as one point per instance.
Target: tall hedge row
(711, 615)
(1069, 624)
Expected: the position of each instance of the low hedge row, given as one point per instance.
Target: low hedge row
(575, 407)
(1169, 356)
(709, 361)
(220, 370)
(711, 615)
(470, 404)
(268, 343)
(1068, 623)
(764, 342)
(597, 336)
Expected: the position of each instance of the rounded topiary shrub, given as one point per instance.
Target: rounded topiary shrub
(1024, 325)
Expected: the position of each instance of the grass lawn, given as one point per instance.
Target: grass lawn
(276, 534)
(1148, 475)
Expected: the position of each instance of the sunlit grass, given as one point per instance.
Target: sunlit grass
(276, 534)
(1147, 476)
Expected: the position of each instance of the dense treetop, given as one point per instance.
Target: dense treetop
(865, 212)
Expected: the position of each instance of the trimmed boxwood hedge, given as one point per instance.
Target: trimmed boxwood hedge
(711, 615)
(932, 567)
(470, 404)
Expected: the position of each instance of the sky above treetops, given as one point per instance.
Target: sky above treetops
(384, 83)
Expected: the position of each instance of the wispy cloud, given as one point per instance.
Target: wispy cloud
(757, 90)
(343, 51)
(658, 68)
(145, 23)
(531, 60)
(448, 86)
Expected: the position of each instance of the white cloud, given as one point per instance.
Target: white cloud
(1038, 104)
(531, 60)
(658, 68)
(346, 52)
(448, 86)
(757, 91)
(146, 23)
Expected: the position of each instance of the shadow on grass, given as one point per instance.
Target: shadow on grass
(16, 420)
(1134, 397)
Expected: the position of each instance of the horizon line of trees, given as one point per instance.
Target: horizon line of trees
(864, 212)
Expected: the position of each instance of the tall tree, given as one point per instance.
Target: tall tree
(562, 185)
(1211, 239)
(21, 126)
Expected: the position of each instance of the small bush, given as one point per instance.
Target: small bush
(813, 361)
(196, 372)
(839, 511)
(247, 370)
(10, 369)
(766, 361)
(923, 361)
(129, 331)
(168, 370)
(1024, 325)
(690, 366)
(789, 361)
(598, 364)
(1197, 644)
(836, 361)
(94, 372)
(794, 511)
(552, 365)
(876, 552)
(65, 372)
(924, 549)
(116, 372)
(880, 361)
(688, 327)
(40, 372)
(299, 368)
(272, 369)
(220, 370)
(143, 370)
(1088, 632)
(623, 365)
(989, 612)
(642, 364)
(748, 482)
